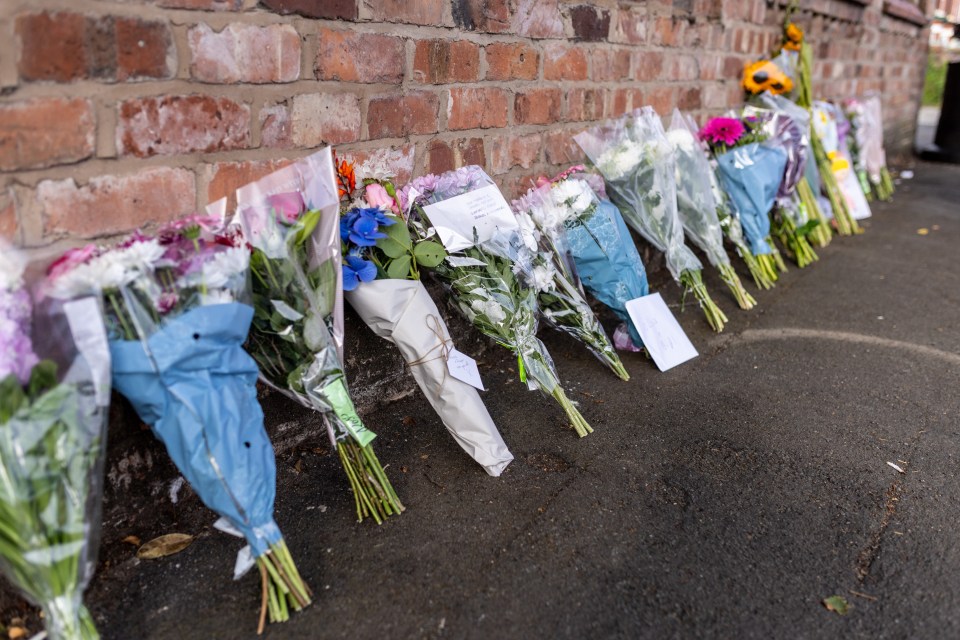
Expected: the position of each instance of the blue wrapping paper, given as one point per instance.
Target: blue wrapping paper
(608, 262)
(196, 388)
(751, 176)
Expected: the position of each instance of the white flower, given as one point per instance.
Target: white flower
(11, 268)
(528, 231)
(617, 161)
(489, 308)
(142, 256)
(682, 140)
(547, 215)
(224, 266)
(216, 296)
(103, 273)
(543, 277)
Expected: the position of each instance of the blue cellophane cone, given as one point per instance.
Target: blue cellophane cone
(751, 176)
(195, 386)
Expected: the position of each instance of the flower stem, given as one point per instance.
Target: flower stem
(757, 271)
(692, 281)
(580, 424)
(776, 256)
(283, 588)
(796, 245)
(728, 275)
(372, 491)
(821, 234)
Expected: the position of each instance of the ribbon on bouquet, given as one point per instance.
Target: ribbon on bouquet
(445, 344)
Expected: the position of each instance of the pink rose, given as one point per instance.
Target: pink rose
(377, 196)
(71, 260)
(288, 206)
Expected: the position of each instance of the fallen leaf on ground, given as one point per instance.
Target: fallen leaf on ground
(165, 545)
(922, 231)
(838, 604)
(16, 632)
(298, 467)
(134, 540)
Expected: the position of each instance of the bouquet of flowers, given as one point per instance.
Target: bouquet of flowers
(594, 234)
(832, 128)
(382, 284)
(696, 206)
(54, 395)
(787, 127)
(637, 162)
(750, 171)
(467, 212)
(292, 220)
(855, 113)
(866, 117)
(176, 317)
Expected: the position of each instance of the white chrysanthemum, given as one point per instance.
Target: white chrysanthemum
(224, 266)
(547, 215)
(142, 256)
(620, 160)
(216, 296)
(682, 140)
(103, 273)
(543, 277)
(528, 231)
(11, 269)
(491, 309)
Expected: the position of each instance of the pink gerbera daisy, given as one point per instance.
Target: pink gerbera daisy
(724, 131)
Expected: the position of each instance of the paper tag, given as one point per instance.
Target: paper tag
(86, 325)
(662, 335)
(483, 209)
(464, 368)
(223, 524)
(244, 562)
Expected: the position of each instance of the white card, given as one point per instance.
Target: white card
(483, 209)
(662, 335)
(86, 325)
(464, 368)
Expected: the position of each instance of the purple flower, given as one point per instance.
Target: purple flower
(16, 351)
(357, 270)
(364, 232)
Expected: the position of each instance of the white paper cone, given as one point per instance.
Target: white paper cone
(399, 311)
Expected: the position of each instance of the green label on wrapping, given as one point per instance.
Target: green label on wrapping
(339, 398)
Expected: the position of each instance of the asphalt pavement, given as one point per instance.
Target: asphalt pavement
(725, 498)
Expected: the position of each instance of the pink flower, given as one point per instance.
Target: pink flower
(724, 131)
(287, 206)
(71, 260)
(377, 196)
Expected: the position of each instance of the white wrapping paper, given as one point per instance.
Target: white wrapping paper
(402, 312)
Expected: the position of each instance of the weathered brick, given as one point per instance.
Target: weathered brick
(446, 155)
(275, 127)
(560, 148)
(169, 125)
(537, 19)
(446, 61)
(564, 62)
(396, 116)
(45, 131)
(428, 12)
(224, 178)
(203, 5)
(585, 104)
(537, 106)
(610, 64)
(329, 9)
(395, 162)
(689, 99)
(324, 118)
(477, 108)
(667, 31)
(631, 27)
(648, 65)
(113, 204)
(511, 61)
(623, 100)
(492, 16)
(590, 24)
(662, 98)
(63, 47)
(9, 227)
(245, 53)
(683, 67)
(349, 56)
(509, 151)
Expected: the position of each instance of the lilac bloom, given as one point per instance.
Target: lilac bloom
(364, 232)
(357, 270)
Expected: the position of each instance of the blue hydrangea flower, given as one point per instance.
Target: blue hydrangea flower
(346, 222)
(364, 232)
(376, 214)
(357, 270)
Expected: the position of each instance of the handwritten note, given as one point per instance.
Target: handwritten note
(662, 335)
(464, 368)
(483, 209)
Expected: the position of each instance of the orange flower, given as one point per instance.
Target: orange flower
(766, 76)
(346, 178)
(793, 37)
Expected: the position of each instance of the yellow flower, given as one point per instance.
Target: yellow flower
(793, 37)
(766, 76)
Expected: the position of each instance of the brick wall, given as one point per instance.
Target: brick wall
(121, 113)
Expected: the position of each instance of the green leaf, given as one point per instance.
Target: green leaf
(807, 227)
(11, 397)
(308, 223)
(399, 269)
(429, 253)
(838, 604)
(398, 232)
(391, 248)
(42, 378)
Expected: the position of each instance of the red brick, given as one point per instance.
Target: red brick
(509, 151)
(275, 127)
(610, 64)
(446, 155)
(631, 27)
(689, 99)
(394, 162)
(492, 16)
(662, 99)
(402, 115)
(560, 148)
(428, 12)
(590, 23)
(113, 204)
(683, 68)
(648, 65)
(563, 62)
(446, 61)
(328, 9)
(170, 125)
(359, 57)
(9, 227)
(667, 31)
(245, 53)
(477, 108)
(511, 61)
(62, 47)
(537, 19)
(324, 118)
(624, 100)
(224, 178)
(537, 106)
(45, 131)
(585, 104)
(202, 5)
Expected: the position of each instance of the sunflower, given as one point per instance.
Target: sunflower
(793, 37)
(766, 76)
